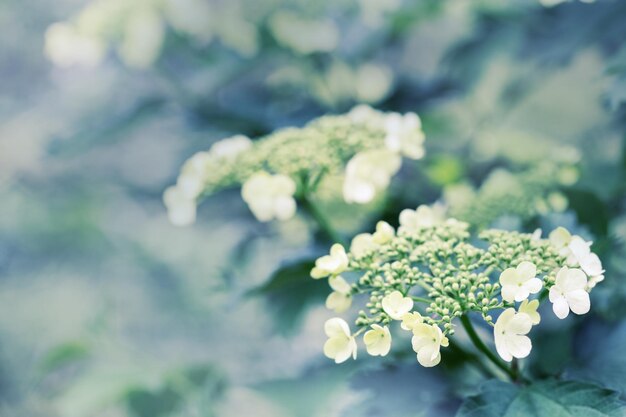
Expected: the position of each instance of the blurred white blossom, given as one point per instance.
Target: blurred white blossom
(270, 196)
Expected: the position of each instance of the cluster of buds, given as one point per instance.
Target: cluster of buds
(432, 271)
(365, 146)
(524, 194)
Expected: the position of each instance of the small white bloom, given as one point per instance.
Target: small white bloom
(338, 302)
(568, 293)
(518, 283)
(362, 113)
(181, 210)
(423, 217)
(333, 264)
(340, 299)
(231, 147)
(577, 251)
(410, 320)
(367, 173)
(384, 233)
(396, 305)
(362, 244)
(510, 333)
(378, 340)
(405, 135)
(340, 344)
(270, 196)
(427, 341)
(530, 308)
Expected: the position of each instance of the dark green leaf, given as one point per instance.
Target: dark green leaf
(543, 399)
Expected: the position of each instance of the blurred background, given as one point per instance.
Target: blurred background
(106, 309)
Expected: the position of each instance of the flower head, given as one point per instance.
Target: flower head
(369, 172)
(396, 305)
(568, 293)
(340, 344)
(270, 196)
(427, 341)
(518, 283)
(378, 340)
(333, 264)
(405, 135)
(510, 333)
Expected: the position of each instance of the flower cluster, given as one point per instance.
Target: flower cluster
(364, 145)
(432, 271)
(137, 30)
(525, 194)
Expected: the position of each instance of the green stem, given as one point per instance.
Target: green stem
(480, 345)
(421, 300)
(472, 358)
(322, 222)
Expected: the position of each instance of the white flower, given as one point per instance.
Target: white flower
(427, 341)
(423, 217)
(192, 17)
(530, 308)
(367, 173)
(410, 320)
(65, 46)
(340, 299)
(378, 340)
(270, 196)
(384, 233)
(181, 210)
(362, 244)
(340, 344)
(518, 283)
(510, 333)
(405, 135)
(193, 174)
(230, 147)
(396, 305)
(333, 264)
(568, 293)
(577, 251)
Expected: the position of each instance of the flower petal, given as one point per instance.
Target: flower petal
(578, 301)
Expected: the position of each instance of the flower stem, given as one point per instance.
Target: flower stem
(322, 222)
(480, 345)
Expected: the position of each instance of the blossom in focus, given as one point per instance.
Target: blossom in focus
(332, 264)
(378, 340)
(364, 243)
(369, 172)
(530, 308)
(518, 283)
(410, 320)
(569, 293)
(396, 305)
(340, 299)
(427, 341)
(340, 344)
(510, 333)
(405, 135)
(270, 196)
(181, 210)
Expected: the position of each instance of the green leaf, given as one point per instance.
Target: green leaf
(543, 399)
(290, 291)
(62, 355)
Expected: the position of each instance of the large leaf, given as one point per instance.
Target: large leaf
(543, 399)
(290, 291)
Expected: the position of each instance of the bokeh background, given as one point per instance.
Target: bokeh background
(106, 309)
